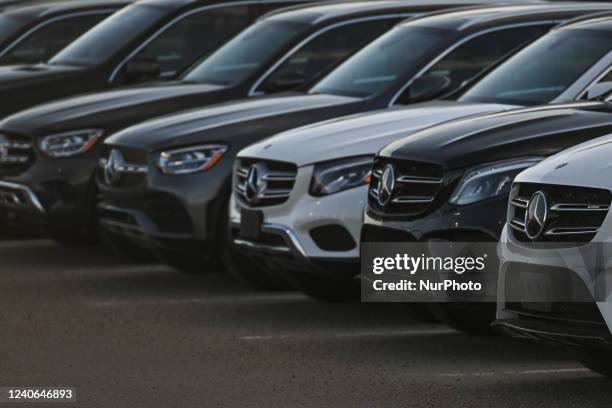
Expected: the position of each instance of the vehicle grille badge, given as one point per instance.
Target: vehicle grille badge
(386, 185)
(256, 183)
(536, 215)
(113, 166)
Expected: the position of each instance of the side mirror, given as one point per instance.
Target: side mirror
(425, 88)
(283, 81)
(599, 91)
(142, 68)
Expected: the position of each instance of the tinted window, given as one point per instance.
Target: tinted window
(11, 25)
(194, 36)
(50, 38)
(542, 71)
(110, 36)
(382, 63)
(246, 53)
(470, 58)
(322, 52)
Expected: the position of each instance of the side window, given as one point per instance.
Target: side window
(46, 41)
(479, 53)
(195, 36)
(600, 89)
(323, 52)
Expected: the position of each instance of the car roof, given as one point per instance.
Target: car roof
(37, 10)
(475, 18)
(333, 10)
(599, 21)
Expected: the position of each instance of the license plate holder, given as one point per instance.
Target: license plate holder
(536, 291)
(250, 223)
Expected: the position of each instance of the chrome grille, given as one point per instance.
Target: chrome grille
(415, 187)
(574, 214)
(16, 152)
(260, 183)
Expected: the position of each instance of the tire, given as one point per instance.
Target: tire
(464, 319)
(325, 289)
(188, 264)
(596, 360)
(125, 249)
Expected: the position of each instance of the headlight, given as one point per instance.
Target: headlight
(70, 143)
(491, 180)
(190, 160)
(336, 176)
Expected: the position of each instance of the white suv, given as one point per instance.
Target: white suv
(556, 254)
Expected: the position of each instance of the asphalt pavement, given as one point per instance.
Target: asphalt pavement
(146, 336)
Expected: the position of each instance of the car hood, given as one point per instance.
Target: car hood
(253, 115)
(14, 76)
(108, 108)
(361, 134)
(540, 131)
(587, 165)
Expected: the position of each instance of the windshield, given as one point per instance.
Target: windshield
(376, 67)
(245, 53)
(543, 70)
(10, 25)
(107, 38)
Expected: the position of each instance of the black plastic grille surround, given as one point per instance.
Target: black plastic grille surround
(417, 185)
(574, 214)
(276, 181)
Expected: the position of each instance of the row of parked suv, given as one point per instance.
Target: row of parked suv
(251, 137)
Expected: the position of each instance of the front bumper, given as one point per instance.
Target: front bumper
(311, 234)
(175, 213)
(584, 319)
(449, 223)
(51, 193)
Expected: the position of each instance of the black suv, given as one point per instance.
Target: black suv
(177, 203)
(475, 160)
(146, 40)
(56, 146)
(35, 33)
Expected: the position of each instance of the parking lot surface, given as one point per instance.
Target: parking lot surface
(145, 336)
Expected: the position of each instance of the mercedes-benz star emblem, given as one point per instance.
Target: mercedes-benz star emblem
(536, 215)
(256, 184)
(114, 163)
(386, 185)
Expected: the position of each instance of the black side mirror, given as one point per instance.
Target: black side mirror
(142, 68)
(425, 88)
(283, 81)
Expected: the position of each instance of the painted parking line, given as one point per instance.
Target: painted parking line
(208, 300)
(549, 371)
(413, 332)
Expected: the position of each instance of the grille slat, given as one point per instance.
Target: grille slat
(575, 213)
(272, 185)
(416, 186)
(16, 153)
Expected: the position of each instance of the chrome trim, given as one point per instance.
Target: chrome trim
(412, 200)
(572, 231)
(460, 43)
(126, 168)
(52, 20)
(419, 180)
(253, 91)
(580, 207)
(32, 198)
(519, 202)
(169, 25)
(517, 225)
(283, 229)
(252, 245)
